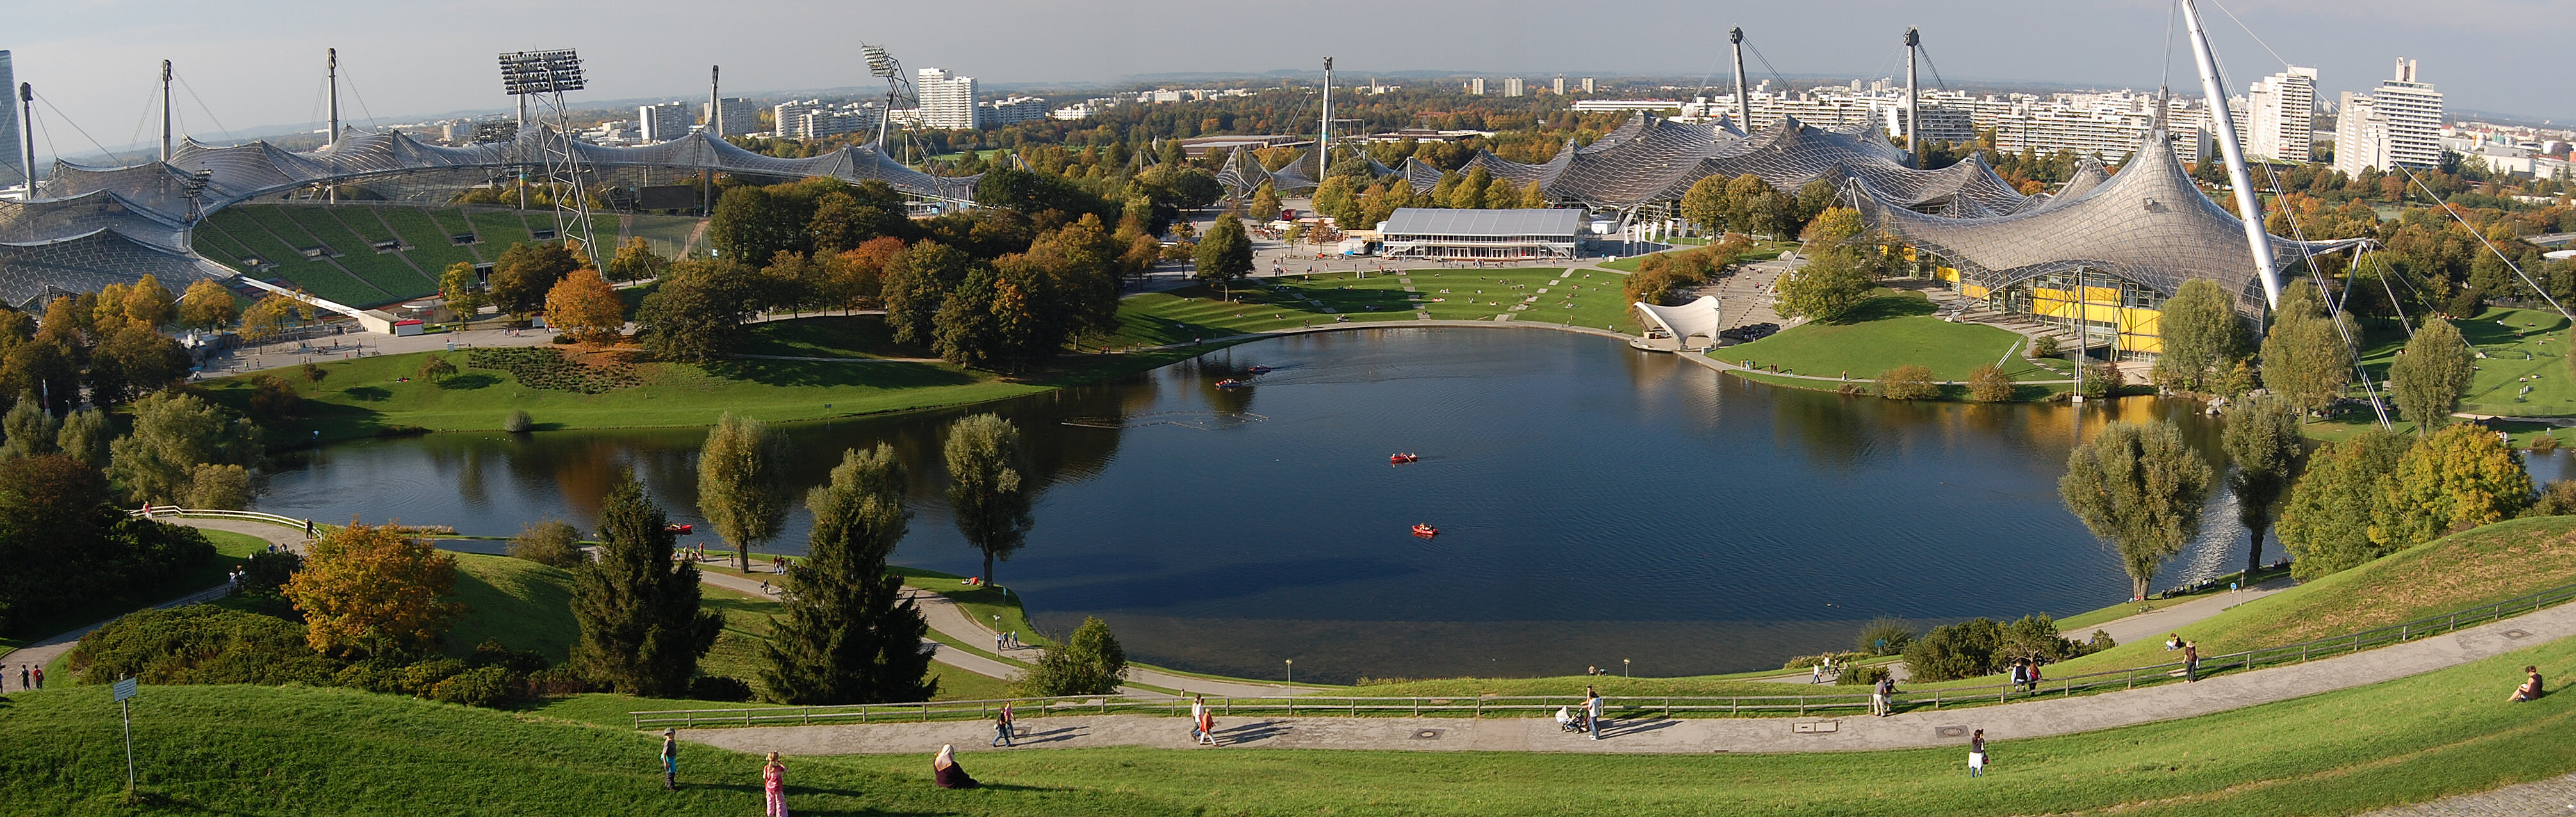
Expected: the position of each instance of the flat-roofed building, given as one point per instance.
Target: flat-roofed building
(1421, 232)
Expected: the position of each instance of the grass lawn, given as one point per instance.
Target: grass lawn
(252, 750)
(1762, 251)
(230, 549)
(2523, 348)
(1585, 298)
(1891, 330)
(841, 336)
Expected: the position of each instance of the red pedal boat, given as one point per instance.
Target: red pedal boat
(1231, 383)
(1257, 370)
(1400, 459)
(1425, 530)
(676, 527)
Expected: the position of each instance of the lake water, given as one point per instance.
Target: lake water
(1595, 504)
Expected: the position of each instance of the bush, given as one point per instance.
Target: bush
(490, 653)
(719, 688)
(518, 422)
(200, 644)
(1983, 646)
(267, 571)
(1809, 661)
(2558, 498)
(552, 542)
(2544, 442)
(272, 398)
(2101, 379)
(543, 368)
(371, 675)
(2466, 303)
(1851, 390)
(557, 681)
(565, 340)
(419, 678)
(1912, 381)
(1884, 635)
(1089, 663)
(2043, 346)
(1987, 384)
(1868, 675)
(488, 687)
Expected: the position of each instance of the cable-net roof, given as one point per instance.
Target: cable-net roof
(45, 219)
(34, 272)
(2088, 175)
(2148, 224)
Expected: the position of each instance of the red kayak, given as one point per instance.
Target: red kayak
(1425, 531)
(1400, 459)
(676, 527)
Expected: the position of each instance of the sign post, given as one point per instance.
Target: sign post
(124, 695)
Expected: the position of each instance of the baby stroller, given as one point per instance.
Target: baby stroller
(1569, 719)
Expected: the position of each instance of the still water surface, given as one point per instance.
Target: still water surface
(1595, 504)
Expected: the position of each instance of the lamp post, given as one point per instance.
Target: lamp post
(1623, 668)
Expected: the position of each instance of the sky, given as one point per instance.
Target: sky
(254, 64)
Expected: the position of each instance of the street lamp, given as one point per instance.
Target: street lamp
(1292, 685)
(1623, 668)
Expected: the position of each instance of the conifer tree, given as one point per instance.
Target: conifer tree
(849, 635)
(641, 629)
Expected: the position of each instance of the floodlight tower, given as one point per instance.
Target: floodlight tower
(165, 111)
(546, 75)
(898, 90)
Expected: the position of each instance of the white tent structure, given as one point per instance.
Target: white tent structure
(1698, 318)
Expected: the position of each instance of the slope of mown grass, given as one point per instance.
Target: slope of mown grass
(2523, 348)
(251, 750)
(1892, 330)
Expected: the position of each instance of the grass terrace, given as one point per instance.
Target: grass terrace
(2521, 348)
(1535, 295)
(1892, 330)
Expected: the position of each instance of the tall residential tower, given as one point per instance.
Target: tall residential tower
(2399, 123)
(947, 100)
(2284, 115)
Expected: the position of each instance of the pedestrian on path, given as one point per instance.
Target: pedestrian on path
(1203, 721)
(1816, 673)
(1002, 726)
(1883, 700)
(23, 683)
(2190, 661)
(1592, 711)
(773, 784)
(671, 759)
(40, 677)
(1977, 754)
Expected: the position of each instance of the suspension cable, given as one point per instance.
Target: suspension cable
(2334, 310)
(2490, 245)
(49, 105)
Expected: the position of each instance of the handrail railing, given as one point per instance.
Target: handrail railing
(1627, 706)
(149, 511)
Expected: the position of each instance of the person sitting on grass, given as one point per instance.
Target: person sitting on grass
(945, 771)
(2530, 689)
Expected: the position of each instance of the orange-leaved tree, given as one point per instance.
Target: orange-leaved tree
(584, 306)
(373, 590)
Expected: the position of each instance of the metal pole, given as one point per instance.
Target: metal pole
(2248, 210)
(1324, 132)
(1743, 101)
(27, 120)
(1913, 113)
(332, 64)
(715, 102)
(126, 707)
(165, 110)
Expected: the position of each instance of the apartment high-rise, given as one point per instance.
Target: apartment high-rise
(2399, 123)
(1476, 86)
(1558, 85)
(740, 117)
(13, 159)
(1512, 86)
(947, 100)
(663, 122)
(2284, 115)
(1587, 85)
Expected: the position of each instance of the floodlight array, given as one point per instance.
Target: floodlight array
(540, 72)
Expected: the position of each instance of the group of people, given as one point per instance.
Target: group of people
(2025, 674)
(2190, 656)
(1588, 720)
(29, 677)
(944, 771)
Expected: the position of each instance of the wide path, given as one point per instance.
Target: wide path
(2555, 796)
(1918, 729)
(44, 651)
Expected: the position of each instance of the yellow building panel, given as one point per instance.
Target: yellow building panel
(1950, 274)
(1972, 290)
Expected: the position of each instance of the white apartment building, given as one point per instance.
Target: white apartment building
(741, 117)
(1012, 110)
(947, 100)
(1476, 86)
(2400, 123)
(1512, 86)
(2282, 111)
(663, 122)
(1557, 85)
(1587, 85)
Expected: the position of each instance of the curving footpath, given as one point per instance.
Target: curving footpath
(1911, 730)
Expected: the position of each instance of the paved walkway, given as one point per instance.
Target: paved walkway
(2150, 626)
(44, 651)
(1917, 729)
(2556, 796)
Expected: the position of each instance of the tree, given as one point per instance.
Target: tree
(133, 361)
(2201, 335)
(1265, 203)
(641, 629)
(2304, 356)
(464, 293)
(1832, 283)
(1334, 198)
(266, 318)
(30, 429)
(2456, 479)
(2430, 375)
(752, 223)
(43, 366)
(2325, 525)
(2262, 441)
(219, 487)
(916, 285)
(850, 635)
(149, 303)
(584, 306)
(1705, 204)
(1225, 254)
(1089, 663)
(989, 489)
(526, 272)
(1833, 226)
(436, 369)
(741, 484)
(1912, 381)
(373, 591)
(208, 305)
(553, 542)
(692, 317)
(85, 436)
(635, 261)
(2139, 488)
(965, 331)
(1988, 384)
(174, 432)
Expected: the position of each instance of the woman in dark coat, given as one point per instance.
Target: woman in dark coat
(945, 771)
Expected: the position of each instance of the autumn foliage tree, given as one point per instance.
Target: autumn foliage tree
(584, 306)
(373, 591)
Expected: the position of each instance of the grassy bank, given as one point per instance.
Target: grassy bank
(230, 549)
(1891, 330)
(250, 750)
(1586, 298)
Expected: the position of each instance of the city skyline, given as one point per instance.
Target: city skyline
(94, 63)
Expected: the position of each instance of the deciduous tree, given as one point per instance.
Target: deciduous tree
(1225, 254)
(174, 432)
(208, 305)
(2305, 360)
(2262, 442)
(642, 631)
(1912, 381)
(635, 261)
(1988, 384)
(370, 590)
(2326, 523)
(31, 430)
(850, 635)
(2456, 479)
(2432, 372)
(694, 315)
(463, 291)
(2201, 335)
(1090, 662)
(2139, 488)
(553, 542)
(526, 272)
(584, 306)
(989, 488)
(1832, 283)
(741, 484)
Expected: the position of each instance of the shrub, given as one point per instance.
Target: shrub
(1987, 384)
(552, 542)
(490, 653)
(1983, 646)
(422, 676)
(268, 570)
(544, 368)
(1851, 390)
(1862, 675)
(719, 688)
(1807, 661)
(557, 681)
(1912, 381)
(2558, 498)
(200, 644)
(371, 675)
(488, 687)
(1884, 635)
(2466, 303)
(2043, 346)
(1089, 663)
(2101, 379)
(518, 422)
(272, 398)
(2544, 442)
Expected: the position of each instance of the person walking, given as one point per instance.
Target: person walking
(2190, 661)
(1816, 673)
(1977, 754)
(1592, 711)
(1002, 726)
(23, 683)
(1203, 720)
(1886, 695)
(40, 677)
(671, 759)
(773, 785)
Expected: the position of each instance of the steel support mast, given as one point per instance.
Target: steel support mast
(165, 110)
(2248, 209)
(1913, 109)
(1743, 101)
(1324, 133)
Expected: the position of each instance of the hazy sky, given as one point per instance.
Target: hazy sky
(259, 62)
